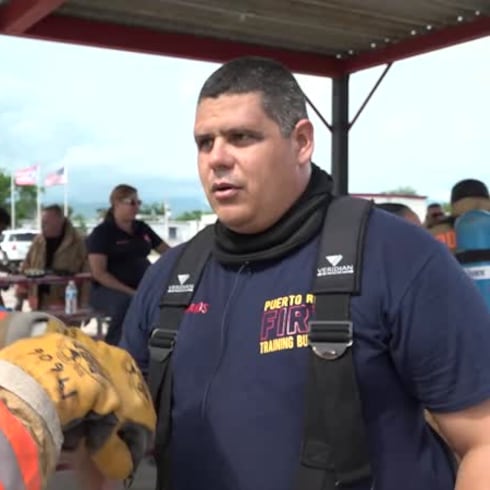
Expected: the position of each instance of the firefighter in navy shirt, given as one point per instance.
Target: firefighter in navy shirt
(118, 250)
(421, 330)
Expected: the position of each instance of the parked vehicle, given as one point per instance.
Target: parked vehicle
(14, 245)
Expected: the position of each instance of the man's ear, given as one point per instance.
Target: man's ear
(303, 141)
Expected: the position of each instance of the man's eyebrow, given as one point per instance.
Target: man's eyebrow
(242, 129)
(199, 136)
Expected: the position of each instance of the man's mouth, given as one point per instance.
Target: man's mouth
(224, 190)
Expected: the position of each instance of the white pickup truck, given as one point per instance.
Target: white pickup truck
(14, 245)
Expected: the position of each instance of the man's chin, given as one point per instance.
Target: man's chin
(232, 223)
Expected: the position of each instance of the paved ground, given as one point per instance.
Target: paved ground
(9, 301)
(145, 480)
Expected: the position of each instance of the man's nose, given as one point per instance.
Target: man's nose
(220, 156)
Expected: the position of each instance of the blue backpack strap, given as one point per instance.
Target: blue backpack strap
(334, 448)
(473, 248)
(176, 298)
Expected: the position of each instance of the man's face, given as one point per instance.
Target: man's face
(51, 224)
(250, 172)
(435, 214)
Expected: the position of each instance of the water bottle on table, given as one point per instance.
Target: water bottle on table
(71, 298)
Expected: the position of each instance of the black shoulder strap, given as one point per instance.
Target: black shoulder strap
(471, 256)
(176, 298)
(334, 451)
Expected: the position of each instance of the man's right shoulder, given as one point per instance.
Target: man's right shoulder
(161, 270)
(38, 239)
(37, 243)
(143, 311)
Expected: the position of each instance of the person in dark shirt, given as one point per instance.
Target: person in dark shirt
(421, 328)
(118, 250)
(4, 224)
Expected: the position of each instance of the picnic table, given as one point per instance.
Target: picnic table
(84, 313)
(8, 280)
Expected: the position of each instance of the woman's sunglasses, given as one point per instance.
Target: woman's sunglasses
(131, 202)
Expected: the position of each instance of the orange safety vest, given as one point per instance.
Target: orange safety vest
(448, 238)
(444, 232)
(19, 454)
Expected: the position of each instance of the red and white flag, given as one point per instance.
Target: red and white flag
(57, 177)
(26, 176)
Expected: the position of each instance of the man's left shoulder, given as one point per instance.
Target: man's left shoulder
(389, 232)
(160, 270)
(398, 254)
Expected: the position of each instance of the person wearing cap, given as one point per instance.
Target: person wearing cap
(466, 195)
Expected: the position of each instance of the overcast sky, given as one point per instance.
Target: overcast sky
(426, 127)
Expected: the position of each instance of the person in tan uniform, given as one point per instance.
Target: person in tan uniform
(59, 248)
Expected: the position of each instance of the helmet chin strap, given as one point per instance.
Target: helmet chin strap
(39, 328)
(26, 324)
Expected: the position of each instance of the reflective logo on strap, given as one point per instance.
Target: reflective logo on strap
(478, 272)
(19, 455)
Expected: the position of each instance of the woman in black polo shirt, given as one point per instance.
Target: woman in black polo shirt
(118, 250)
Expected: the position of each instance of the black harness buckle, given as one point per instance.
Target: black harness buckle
(161, 344)
(330, 339)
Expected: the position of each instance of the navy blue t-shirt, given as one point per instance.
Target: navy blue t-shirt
(127, 253)
(422, 337)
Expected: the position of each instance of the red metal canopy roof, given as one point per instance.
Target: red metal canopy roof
(321, 37)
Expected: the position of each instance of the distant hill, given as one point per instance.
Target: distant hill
(178, 205)
(88, 192)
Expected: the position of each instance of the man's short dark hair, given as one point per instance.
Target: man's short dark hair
(5, 219)
(54, 208)
(394, 208)
(433, 205)
(282, 98)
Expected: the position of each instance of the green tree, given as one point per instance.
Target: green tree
(101, 212)
(189, 215)
(446, 207)
(25, 198)
(153, 209)
(402, 191)
(79, 222)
